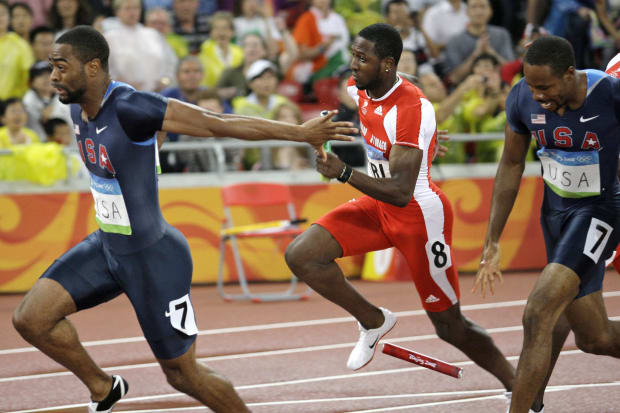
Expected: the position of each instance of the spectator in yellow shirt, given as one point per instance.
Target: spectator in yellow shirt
(15, 58)
(14, 131)
(219, 53)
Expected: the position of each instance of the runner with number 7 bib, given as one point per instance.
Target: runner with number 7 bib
(574, 116)
(401, 208)
(135, 251)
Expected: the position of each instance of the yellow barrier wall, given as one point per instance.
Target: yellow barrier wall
(36, 229)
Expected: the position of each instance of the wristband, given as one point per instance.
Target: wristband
(346, 173)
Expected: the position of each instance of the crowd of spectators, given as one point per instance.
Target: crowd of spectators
(287, 60)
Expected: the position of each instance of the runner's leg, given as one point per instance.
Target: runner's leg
(41, 320)
(185, 374)
(311, 257)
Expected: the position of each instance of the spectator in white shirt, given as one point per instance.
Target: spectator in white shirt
(40, 101)
(137, 53)
(444, 20)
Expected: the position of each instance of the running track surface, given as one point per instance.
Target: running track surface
(290, 357)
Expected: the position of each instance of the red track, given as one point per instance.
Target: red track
(280, 368)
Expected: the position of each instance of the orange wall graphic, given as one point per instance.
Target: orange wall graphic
(37, 229)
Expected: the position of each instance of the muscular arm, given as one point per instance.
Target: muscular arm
(507, 181)
(187, 119)
(404, 168)
(405, 164)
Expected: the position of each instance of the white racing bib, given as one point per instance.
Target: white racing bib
(378, 166)
(110, 210)
(181, 314)
(571, 174)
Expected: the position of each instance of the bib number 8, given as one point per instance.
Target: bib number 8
(438, 254)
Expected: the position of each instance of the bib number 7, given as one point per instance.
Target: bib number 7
(596, 240)
(181, 315)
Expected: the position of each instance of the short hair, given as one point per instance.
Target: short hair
(23, 5)
(4, 105)
(226, 16)
(486, 56)
(87, 44)
(553, 51)
(386, 39)
(39, 30)
(189, 58)
(389, 4)
(50, 125)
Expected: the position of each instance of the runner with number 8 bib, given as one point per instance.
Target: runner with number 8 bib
(401, 208)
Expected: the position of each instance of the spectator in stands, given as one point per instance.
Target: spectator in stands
(233, 81)
(41, 41)
(21, 19)
(354, 155)
(41, 102)
(257, 17)
(189, 23)
(290, 157)
(398, 15)
(189, 74)
(58, 130)
(408, 63)
(323, 41)
(478, 38)
(484, 109)
(40, 10)
(262, 76)
(359, 14)
(15, 58)
(449, 110)
(137, 53)
(14, 132)
(443, 20)
(219, 52)
(66, 14)
(160, 19)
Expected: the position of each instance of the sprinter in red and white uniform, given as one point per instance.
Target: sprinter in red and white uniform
(401, 208)
(613, 69)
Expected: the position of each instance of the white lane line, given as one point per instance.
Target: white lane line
(285, 383)
(499, 395)
(268, 353)
(293, 324)
(415, 406)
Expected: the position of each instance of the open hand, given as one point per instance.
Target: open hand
(489, 270)
(321, 129)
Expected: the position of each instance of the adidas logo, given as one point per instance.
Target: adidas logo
(379, 110)
(431, 299)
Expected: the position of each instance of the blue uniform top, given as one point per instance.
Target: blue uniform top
(578, 150)
(119, 149)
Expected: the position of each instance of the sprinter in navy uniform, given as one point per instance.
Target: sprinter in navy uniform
(575, 118)
(135, 251)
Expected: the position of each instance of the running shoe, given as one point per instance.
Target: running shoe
(118, 391)
(365, 348)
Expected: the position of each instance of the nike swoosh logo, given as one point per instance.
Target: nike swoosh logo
(373, 344)
(100, 130)
(583, 120)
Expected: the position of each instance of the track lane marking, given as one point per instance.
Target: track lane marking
(292, 324)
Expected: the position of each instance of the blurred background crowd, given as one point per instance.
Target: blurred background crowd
(286, 60)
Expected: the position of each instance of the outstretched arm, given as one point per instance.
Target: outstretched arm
(505, 189)
(184, 118)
